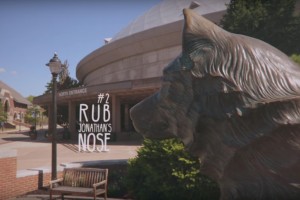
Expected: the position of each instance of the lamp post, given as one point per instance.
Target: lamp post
(55, 68)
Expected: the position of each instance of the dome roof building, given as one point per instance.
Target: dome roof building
(170, 11)
(142, 49)
(129, 66)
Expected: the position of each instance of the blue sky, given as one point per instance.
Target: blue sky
(32, 30)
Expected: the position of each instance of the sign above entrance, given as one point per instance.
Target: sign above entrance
(72, 92)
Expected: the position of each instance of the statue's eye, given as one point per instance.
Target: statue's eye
(179, 64)
(186, 62)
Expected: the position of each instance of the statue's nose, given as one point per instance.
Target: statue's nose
(142, 112)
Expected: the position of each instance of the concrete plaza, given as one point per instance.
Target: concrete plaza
(33, 155)
(37, 153)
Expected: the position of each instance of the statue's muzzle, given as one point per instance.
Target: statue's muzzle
(149, 119)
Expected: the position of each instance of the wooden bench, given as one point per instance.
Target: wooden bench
(81, 181)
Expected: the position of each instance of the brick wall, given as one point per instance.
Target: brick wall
(8, 168)
(13, 183)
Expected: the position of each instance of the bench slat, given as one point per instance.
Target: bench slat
(81, 181)
(72, 189)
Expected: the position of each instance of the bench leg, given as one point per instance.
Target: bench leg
(105, 196)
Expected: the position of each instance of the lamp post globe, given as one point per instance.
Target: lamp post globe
(55, 65)
(55, 68)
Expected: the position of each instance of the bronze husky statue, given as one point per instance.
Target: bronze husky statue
(234, 101)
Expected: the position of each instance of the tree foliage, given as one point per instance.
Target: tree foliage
(30, 98)
(3, 114)
(273, 21)
(296, 58)
(163, 170)
(32, 115)
(64, 80)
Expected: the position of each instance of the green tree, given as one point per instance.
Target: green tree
(64, 80)
(162, 170)
(296, 58)
(32, 115)
(30, 98)
(273, 21)
(3, 114)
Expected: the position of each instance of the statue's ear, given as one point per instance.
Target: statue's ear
(198, 35)
(197, 25)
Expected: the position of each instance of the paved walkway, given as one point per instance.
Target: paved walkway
(36, 154)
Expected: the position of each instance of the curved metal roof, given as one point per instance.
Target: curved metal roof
(169, 11)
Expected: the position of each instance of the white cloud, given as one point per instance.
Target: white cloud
(2, 70)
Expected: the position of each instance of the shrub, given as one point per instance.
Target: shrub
(163, 170)
(116, 184)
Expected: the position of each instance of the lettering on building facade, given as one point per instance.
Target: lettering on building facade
(72, 92)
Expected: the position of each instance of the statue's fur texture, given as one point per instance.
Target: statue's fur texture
(235, 103)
